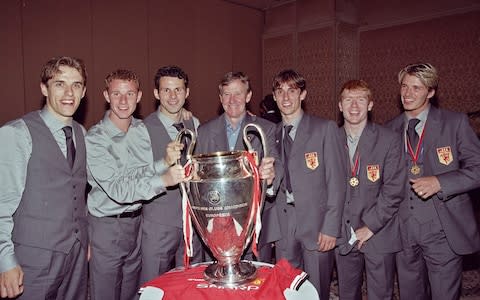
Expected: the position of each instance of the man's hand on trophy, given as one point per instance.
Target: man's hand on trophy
(173, 152)
(174, 175)
(186, 114)
(266, 169)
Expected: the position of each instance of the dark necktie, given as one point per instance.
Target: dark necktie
(287, 147)
(179, 127)
(70, 146)
(412, 133)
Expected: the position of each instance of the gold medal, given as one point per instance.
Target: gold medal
(415, 170)
(353, 181)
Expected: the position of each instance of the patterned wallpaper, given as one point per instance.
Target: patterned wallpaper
(451, 44)
(331, 54)
(277, 55)
(315, 62)
(312, 54)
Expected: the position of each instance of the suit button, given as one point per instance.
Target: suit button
(284, 210)
(74, 186)
(76, 230)
(411, 207)
(411, 198)
(348, 221)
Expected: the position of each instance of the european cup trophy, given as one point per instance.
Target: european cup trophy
(225, 198)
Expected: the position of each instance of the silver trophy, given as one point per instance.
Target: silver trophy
(225, 198)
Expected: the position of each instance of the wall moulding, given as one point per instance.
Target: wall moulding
(426, 17)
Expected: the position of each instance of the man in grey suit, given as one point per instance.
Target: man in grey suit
(225, 133)
(437, 222)
(43, 235)
(370, 229)
(162, 235)
(311, 196)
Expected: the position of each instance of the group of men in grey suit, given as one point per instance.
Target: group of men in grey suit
(367, 197)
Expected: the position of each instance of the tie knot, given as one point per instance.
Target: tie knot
(413, 123)
(288, 128)
(178, 126)
(68, 131)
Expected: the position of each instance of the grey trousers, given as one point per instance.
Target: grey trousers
(318, 265)
(427, 267)
(163, 249)
(53, 275)
(380, 270)
(115, 260)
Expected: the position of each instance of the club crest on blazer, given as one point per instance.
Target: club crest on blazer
(373, 172)
(445, 155)
(311, 160)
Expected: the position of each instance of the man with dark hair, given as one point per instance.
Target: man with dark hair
(269, 109)
(225, 133)
(162, 234)
(43, 235)
(437, 221)
(122, 173)
(311, 196)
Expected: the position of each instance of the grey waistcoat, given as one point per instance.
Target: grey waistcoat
(166, 209)
(52, 212)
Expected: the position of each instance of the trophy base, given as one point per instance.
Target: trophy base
(230, 274)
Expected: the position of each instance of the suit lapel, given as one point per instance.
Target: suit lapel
(432, 129)
(219, 135)
(278, 138)
(367, 141)
(302, 135)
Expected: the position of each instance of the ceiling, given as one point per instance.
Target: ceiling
(259, 4)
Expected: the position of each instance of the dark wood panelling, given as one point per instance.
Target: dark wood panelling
(54, 28)
(11, 61)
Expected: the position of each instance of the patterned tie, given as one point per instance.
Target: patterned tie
(70, 146)
(412, 133)
(287, 147)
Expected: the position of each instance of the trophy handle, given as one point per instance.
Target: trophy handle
(251, 150)
(191, 146)
(258, 226)
(186, 217)
(262, 138)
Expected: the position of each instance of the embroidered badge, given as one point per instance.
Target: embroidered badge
(311, 160)
(373, 172)
(445, 155)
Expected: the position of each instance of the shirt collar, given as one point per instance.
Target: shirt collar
(166, 121)
(229, 125)
(112, 129)
(52, 122)
(421, 116)
(295, 121)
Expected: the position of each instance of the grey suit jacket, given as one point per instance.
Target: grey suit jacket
(375, 201)
(450, 130)
(318, 179)
(212, 137)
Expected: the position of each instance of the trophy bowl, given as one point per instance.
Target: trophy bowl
(224, 201)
